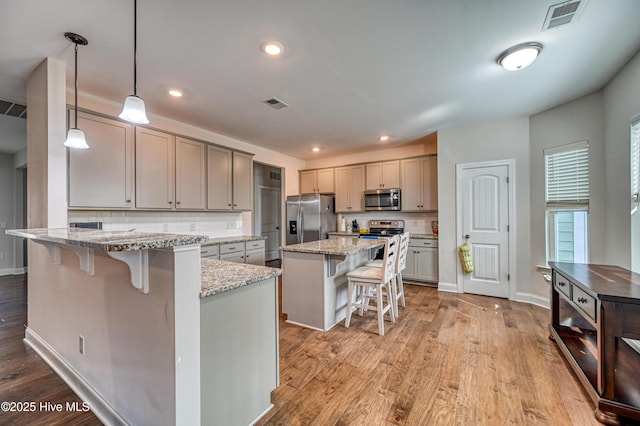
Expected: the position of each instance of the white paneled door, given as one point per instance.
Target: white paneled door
(485, 225)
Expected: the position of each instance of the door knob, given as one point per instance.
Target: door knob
(467, 236)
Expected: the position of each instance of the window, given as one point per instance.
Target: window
(567, 202)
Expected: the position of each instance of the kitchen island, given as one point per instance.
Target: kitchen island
(314, 285)
(144, 335)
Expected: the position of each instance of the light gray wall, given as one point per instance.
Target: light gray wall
(499, 140)
(621, 108)
(580, 120)
(6, 214)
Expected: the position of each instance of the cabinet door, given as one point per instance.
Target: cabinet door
(324, 179)
(411, 268)
(391, 174)
(411, 195)
(427, 263)
(219, 178)
(102, 176)
(242, 181)
(374, 176)
(154, 169)
(356, 188)
(255, 257)
(342, 189)
(190, 174)
(430, 183)
(308, 182)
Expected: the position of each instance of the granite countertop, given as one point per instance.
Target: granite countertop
(108, 240)
(424, 236)
(335, 246)
(345, 233)
(236, 239)
(218, 276)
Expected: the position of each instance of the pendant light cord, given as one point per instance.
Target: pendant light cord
(76, 85)
(135, 47)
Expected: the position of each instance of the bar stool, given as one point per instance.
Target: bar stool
(373, 283)
(397, 285)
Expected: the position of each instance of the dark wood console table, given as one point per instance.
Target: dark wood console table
(595, 321)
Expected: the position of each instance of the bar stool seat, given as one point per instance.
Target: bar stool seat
(371, 283)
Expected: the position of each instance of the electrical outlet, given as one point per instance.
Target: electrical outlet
(192, 227)
(165, 227)
(81, 345)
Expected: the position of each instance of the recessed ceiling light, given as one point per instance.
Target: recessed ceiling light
(316, 149)
(272, 48)
(384, 138)
(519, 56)
(175, 93)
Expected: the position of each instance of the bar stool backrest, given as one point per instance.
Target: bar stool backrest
(404, 249)
(392, 247)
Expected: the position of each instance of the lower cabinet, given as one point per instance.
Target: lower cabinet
(422, 260)
(250, 252)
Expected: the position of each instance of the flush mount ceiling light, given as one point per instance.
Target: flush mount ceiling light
(384, 138)
(519, 56)
(316, 149)
(134, 110)
(272, 48)
(75, 136)
(175, 93)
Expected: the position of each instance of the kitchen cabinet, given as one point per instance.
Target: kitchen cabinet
(102, 176)
(419, 183)
(190, 174)
(254, 252)
(229, 178)
(422, 260)
(243, 252)
(316, 181)
(155, 171)
(383, 175)
(349, 189)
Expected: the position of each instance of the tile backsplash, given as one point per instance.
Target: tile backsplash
(201, 223)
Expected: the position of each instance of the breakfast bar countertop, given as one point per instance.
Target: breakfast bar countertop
(108, 241)
(218, 276)
(236, 239)
(335, 246)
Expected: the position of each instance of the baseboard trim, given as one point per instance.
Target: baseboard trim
(533, 299)
(99, 406)
(12, 271)
(448, 287)
(261, 415)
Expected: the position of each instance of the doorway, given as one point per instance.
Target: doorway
(267, 212)
(484, 214)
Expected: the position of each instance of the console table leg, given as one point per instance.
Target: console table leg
(606, 417)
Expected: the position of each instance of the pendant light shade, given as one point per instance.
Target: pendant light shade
(134, 110)
(75, 136)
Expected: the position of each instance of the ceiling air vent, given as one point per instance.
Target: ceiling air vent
(13, 109)
(275, 103)
(563, 13)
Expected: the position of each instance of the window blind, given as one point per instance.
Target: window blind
(567, 176)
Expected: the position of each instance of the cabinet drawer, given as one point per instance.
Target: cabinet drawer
(421, 242)
(209, 251)
(231, 248)
(584, 301)
(562, 284)
(253, 245)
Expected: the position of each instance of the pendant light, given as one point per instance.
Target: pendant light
(134, 110)
(75, 136)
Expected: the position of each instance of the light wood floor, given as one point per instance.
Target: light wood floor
(450, 360)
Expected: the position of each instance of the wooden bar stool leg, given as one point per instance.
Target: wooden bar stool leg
(380, 312)
(401, 287)
(349, 305)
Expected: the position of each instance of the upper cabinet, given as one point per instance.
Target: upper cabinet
(190, 174)
(318, 181)
(349, 189)
(154, 169)
(383, 175)
(102, 176)
(230, 179)
(419, 183)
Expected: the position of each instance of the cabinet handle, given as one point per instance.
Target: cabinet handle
(170, 202)
(582, 300)
(234, 204)
(229, 204)
(177, 202)
(128, 201)
(562, 283)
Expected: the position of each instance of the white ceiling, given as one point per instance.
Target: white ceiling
(351, 70)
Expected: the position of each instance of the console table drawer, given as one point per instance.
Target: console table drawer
(562, 284)
(584, 301)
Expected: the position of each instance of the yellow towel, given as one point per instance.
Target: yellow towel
(465, 257)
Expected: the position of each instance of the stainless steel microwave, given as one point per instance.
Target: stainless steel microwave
(382, 199)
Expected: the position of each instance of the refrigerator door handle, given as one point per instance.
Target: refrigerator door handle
(301, 226)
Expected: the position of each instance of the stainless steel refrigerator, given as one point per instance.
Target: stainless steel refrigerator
(310, 217)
